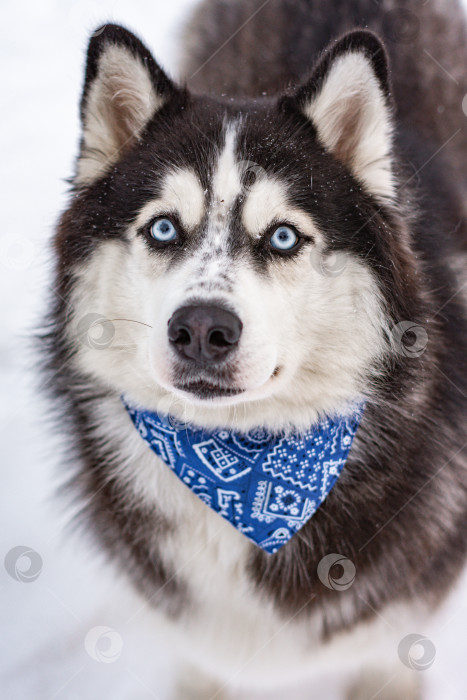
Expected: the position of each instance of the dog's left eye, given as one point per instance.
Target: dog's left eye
(163, 230)
(284, 239)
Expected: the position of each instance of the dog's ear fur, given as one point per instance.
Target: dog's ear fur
(123, 89)
(348, 99)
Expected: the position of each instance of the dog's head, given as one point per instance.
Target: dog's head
(234, 262)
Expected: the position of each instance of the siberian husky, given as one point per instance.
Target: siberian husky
(271, 242)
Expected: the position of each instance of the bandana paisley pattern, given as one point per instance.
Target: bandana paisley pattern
(267, 486)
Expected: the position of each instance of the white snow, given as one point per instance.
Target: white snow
(48, 645)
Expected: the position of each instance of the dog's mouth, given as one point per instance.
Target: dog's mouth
(205, 390)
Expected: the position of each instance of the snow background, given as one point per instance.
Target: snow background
(44, 623)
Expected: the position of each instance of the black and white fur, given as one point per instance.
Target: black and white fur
(367, 162)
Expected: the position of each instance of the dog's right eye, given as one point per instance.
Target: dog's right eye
(163, 230)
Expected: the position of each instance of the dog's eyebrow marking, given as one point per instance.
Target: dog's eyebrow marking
(211, 261)
(182, 194)
(266, 202)
(226, 180)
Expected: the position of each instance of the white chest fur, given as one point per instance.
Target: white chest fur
(229, 626)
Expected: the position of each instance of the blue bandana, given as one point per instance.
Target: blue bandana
(267, 486)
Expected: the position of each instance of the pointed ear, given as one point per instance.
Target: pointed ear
(123, 89)
(348, 99)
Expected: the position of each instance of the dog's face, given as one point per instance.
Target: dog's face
(223, 259)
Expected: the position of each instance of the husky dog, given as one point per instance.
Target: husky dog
(278, 238)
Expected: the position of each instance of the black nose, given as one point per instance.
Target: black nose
(204, 333)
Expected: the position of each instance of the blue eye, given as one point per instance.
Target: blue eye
(284, 238)
(163, 230)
